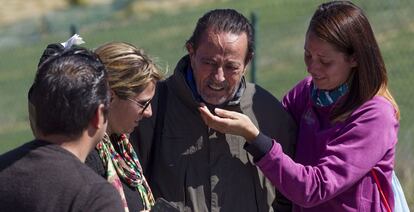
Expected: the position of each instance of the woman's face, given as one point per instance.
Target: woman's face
(125, 114)
(328, 67)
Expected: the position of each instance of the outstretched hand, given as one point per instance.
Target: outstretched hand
(229, 122)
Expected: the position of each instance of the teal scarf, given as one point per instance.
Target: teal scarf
(324, 98)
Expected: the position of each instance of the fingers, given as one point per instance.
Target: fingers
(205, 114)
(211, 120)
(220, 114)
(229, 122)
(226, 113)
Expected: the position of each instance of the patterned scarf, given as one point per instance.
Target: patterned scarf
(124, 166)
(325, 98)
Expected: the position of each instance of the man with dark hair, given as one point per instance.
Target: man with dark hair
(68, 106)
(192, 165)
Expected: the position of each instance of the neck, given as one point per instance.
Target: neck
(79, 146)
(324, 98)
(108, 131)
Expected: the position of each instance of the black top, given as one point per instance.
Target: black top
(132, 196)
(40, 176)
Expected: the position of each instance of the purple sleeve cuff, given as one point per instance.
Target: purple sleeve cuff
(259, 146)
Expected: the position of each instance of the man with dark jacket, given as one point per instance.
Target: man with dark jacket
(198, 168)
(68, 104)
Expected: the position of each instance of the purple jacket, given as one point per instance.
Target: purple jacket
(331, 170)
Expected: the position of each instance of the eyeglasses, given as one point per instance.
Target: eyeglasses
(143, 106)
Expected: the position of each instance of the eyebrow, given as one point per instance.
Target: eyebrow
(142, 104)
(143, 101)
(322, 56)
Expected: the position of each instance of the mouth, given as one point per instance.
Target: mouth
(216, 87)
(317, 77)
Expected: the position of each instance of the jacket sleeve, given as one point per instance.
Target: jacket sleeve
(272, 119)
(357, 148)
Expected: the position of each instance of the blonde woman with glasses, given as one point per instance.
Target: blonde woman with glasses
(132, 78)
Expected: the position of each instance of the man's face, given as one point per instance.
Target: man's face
(218, 64)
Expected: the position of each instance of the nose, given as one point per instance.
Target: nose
(308, 68)
(219, 75)
(147, 112)
(311, 66)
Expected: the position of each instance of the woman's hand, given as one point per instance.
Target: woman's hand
(229, 122)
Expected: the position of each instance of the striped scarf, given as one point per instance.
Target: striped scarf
(124, 166)
(325, 98)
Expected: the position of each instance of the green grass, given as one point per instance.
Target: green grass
(281, 28)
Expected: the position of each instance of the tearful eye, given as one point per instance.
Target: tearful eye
(232, 68)
(208, 62)
(325, 62)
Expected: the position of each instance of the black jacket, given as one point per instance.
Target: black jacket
(200, 169)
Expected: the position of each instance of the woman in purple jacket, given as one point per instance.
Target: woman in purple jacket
(347, 119)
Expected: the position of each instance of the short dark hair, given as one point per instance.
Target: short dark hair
(223, 20)
(68, 88)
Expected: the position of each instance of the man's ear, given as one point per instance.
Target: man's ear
(112, 96)
(98, 119)
(190, 49)
(248, 59)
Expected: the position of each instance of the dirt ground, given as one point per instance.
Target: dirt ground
(15, 10)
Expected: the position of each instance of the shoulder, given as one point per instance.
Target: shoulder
(297, 99)
(95, 162)
(260, 101)
(264, 108)
(377, 108)
(87, 175)
(256, 93)
(67, 168)
(376, 116)
(99, 196)
(90, 190)
(301, 89)
(16, 154)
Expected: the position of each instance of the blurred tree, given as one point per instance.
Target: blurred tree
(77, 2)
(121, 4)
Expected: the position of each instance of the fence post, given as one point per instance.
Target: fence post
(73, 29)
(253, 62)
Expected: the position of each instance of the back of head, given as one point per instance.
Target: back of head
(69, 86)
(346, 28)
(130, 70)
(223, 20)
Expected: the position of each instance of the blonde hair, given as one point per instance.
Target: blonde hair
(130, 70)
(384, 92)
